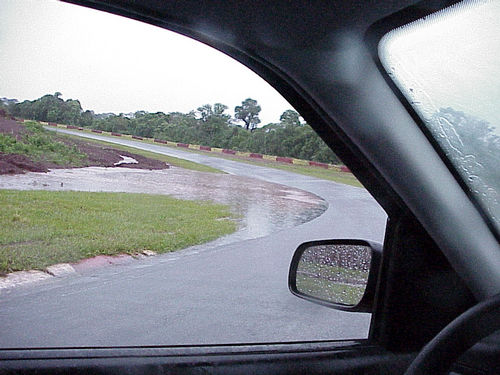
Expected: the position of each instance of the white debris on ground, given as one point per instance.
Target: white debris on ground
(126, 160)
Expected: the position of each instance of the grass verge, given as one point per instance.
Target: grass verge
(336, 292)
(40, 228)
(318, 172)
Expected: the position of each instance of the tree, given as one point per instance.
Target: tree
(290, 117)
(70, 112)
(219, 109)
(248, 112)
(209, 125)
(205, 111)
(208, 113)
(471, 143)
(118, 124)
(87, 118)
(212, 123)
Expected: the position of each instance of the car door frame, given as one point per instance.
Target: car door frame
(409, 252)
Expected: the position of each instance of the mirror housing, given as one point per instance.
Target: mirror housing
(326, 252)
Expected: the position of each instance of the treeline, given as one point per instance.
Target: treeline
(208, 125)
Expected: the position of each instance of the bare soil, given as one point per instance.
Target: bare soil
(15, 164)
(97, 155)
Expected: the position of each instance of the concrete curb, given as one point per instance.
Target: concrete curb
(18, 278)
(22, 278)
(60, 270)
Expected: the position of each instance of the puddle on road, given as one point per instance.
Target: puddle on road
(264, 207)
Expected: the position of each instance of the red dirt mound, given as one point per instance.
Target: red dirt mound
(97, 155)
(14, 164)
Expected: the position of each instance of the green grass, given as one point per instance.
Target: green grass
(330, 272)
(38, 144)
(331, 291)
(331, 283)
(40, 228)
(318, 172)
(171, 160)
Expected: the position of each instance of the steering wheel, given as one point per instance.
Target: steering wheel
(457, 337)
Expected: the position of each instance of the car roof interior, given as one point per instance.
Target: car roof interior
(321, 56)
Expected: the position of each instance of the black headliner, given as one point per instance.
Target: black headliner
(277, 24)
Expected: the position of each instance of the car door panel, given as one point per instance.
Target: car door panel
(311, 358)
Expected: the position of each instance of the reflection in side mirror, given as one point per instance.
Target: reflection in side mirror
(336, 273)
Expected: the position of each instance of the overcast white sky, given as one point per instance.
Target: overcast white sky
(113, 64)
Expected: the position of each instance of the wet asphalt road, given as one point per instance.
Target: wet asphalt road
(209, 294)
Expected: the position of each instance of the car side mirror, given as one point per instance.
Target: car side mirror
(341, 274)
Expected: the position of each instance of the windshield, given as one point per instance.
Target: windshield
(447, 67)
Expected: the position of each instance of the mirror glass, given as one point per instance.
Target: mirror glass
(334, 273)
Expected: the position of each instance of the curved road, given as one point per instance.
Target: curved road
(232, 293)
